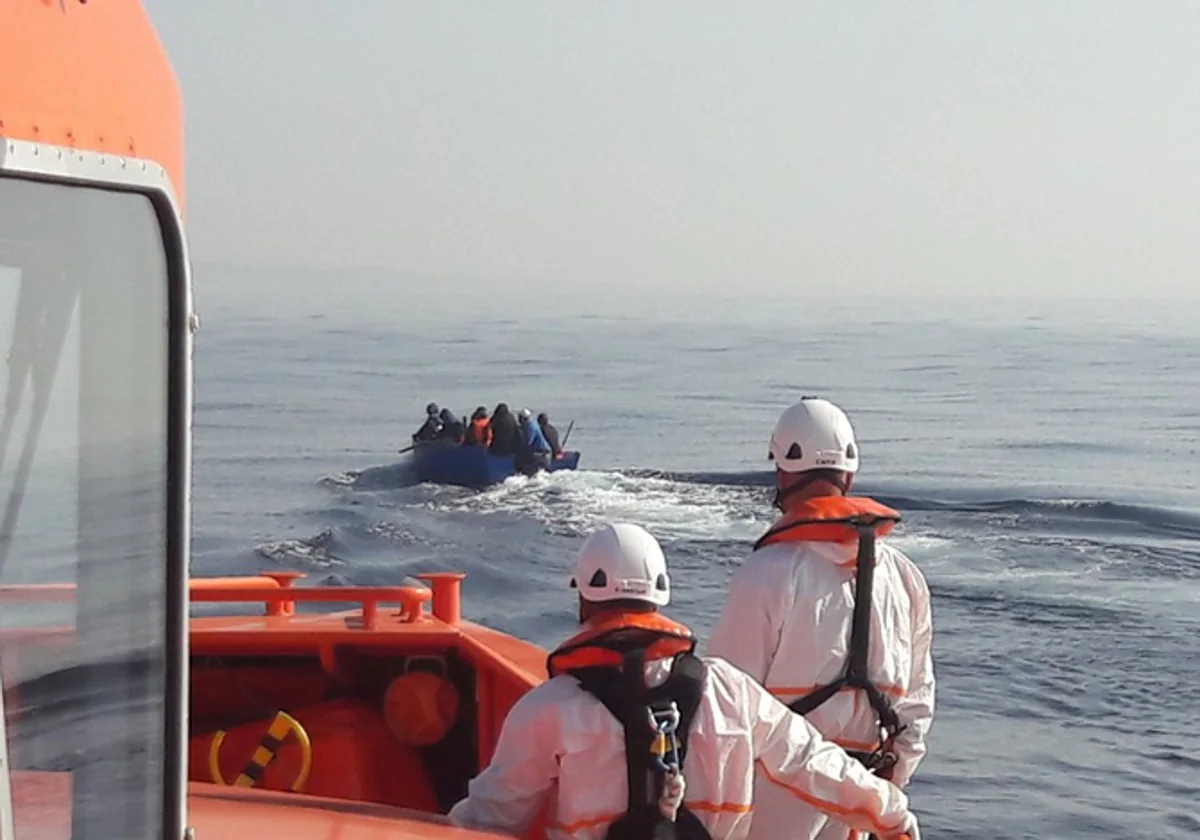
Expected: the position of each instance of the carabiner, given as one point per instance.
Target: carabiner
(665, 725)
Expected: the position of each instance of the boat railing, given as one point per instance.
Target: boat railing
(279, 597)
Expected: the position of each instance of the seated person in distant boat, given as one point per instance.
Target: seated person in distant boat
(452, 427)
(533, 452)
(551, 435)
(564, 744)
(432, 426)
(478, 430)
(504, 432)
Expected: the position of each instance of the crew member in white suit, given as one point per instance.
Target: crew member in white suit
(791, 607)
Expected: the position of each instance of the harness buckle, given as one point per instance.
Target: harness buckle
(665, 723)
(883, 758)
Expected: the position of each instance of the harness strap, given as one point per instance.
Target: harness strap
(855, 675)
(624, 693)
(612, 688)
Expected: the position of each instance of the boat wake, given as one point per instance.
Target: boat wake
(1160, 521)
(573, 503)
(1006, 556)
(385, 477)
(318, 551)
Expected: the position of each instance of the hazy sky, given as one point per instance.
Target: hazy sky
(787, 149)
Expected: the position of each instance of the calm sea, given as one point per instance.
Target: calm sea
(1044, 457)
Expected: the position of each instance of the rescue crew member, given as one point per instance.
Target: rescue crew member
(478, 431)
(564, 746)
(504, 432)
(432, 426)
(790, 610)
(533, 452)
(550, 434)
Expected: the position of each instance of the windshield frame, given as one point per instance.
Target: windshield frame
(60, 165)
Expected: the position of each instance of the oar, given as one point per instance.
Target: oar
(408, 448)
(567, 435)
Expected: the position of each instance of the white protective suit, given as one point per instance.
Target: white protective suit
(561, 745)
(786, 622)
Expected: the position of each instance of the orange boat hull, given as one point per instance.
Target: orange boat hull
(42, 805)
(388, 710)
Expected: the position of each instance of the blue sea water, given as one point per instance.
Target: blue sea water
(1044, 457)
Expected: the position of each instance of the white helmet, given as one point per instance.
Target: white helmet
(525, 414)
(813, 434)
(622, 561)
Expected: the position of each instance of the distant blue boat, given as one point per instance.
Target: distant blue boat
(443, 462)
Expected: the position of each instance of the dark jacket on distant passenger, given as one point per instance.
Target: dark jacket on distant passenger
(551, 435)
(452, 427)
(432, 426)
(504, 431)
(429, 430)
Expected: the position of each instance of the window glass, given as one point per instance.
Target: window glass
(83, 501)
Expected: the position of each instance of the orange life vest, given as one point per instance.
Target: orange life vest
(601, 641)
(829, 519)
(481, 432)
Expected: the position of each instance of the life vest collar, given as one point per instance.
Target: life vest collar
(830, 519)
(604, 640)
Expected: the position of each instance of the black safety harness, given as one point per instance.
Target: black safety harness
(656, 722)
(883, 758)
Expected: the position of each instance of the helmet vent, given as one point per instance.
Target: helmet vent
(794, 452)
(598, 579)
(660, 583)
(851, 451)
